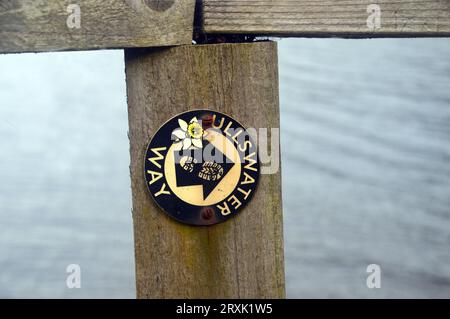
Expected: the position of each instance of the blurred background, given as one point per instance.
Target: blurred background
(365, 130)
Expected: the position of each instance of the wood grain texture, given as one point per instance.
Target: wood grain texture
(38, 25)
(242, 257)
(327, 18)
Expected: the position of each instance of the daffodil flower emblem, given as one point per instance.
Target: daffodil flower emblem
(190, 135)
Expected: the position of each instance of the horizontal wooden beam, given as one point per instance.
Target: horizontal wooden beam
(328, 18)
(57, 25)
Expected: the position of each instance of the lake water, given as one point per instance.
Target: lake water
(366, 170)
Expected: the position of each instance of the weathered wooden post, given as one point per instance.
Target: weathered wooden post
(243, 257)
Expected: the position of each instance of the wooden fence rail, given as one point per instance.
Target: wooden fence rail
(61, 25)
(35, 26)
(328, 18)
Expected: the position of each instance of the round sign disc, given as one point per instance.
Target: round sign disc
(202, 167)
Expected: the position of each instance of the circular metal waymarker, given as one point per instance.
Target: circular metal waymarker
(202, 167)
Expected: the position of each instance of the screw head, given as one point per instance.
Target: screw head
(207, 213)
(207, 121)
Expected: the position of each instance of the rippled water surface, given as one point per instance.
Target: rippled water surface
(366, 170)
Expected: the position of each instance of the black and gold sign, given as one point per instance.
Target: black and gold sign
(202, 167)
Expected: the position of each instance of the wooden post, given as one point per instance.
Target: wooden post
(243, 257)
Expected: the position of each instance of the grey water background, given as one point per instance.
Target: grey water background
(365, 130)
